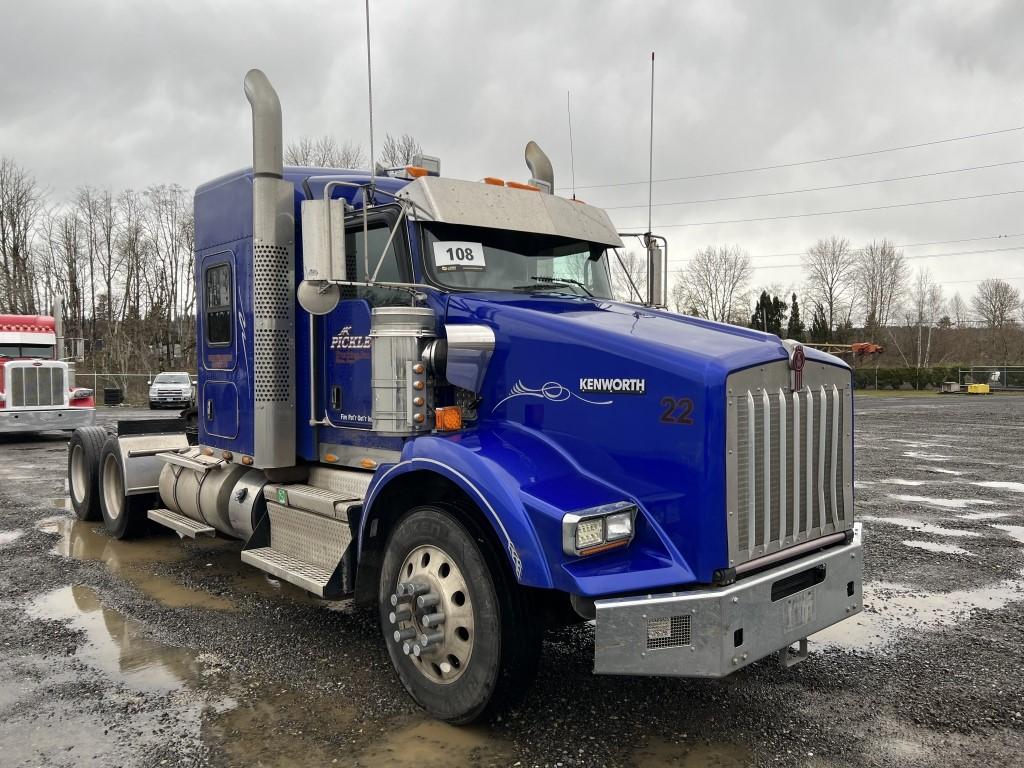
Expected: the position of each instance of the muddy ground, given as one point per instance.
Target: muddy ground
(170, 653)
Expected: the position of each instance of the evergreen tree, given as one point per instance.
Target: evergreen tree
(819, 326)
(795, 329)
(769, 314)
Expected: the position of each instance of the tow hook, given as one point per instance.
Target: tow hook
(790, 658)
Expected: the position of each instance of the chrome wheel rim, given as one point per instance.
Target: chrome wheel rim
(113, 487)
(432, 615)
(78, 474)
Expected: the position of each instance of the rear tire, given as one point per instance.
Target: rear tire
(124, 516)
(491, 643)
(84, 450)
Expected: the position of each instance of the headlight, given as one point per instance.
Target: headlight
(598, 529)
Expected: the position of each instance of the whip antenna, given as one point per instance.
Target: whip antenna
(369, 90)
(572, 158)
(650, 165)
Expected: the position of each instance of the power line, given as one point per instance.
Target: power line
(845, 210)
(911, 258)
(806, 162)
(817, 189)
(902, 245)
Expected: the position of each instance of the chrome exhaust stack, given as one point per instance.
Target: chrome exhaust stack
(540, 168)
(273, 274)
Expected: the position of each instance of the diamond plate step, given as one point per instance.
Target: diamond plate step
(186, 526)
(346, 483)
(310, 577)
(310, 498)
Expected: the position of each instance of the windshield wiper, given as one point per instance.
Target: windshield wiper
(563, 281)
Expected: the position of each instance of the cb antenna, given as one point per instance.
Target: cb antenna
(572, 158)
(369, 91)
(650, 164)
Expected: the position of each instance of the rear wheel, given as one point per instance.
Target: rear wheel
(456, 624)
(84, 450)
(124, 516)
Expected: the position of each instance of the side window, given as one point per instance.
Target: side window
(217, 302)
(391, 268)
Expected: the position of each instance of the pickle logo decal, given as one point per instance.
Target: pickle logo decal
(344, 340)
(613, 386)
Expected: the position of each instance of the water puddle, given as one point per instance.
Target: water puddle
(920, 527)
(432, 744)
(132, 561)
(983, 515)
(659, 753)
(1002, 485)
(894, 609)
(1015, 531)
(115, 645)
(6, 537)
(926, 456)
(942, 503)
(931, 546)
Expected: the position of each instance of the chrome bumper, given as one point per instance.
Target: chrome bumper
(714, 632)
(31, 420)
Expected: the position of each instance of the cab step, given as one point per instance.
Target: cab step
(184, 526)
(304, 548)
(311, 499)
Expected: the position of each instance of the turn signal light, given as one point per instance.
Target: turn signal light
(448, 418)
(520, 185)
(416, 171)
(494, 180)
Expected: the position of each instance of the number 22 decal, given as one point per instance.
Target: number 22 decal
(678, 410)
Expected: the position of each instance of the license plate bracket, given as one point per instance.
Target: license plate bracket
(799, 609)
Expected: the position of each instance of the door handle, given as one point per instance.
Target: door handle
(209, 410)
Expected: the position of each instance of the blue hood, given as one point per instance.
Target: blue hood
(631, 399)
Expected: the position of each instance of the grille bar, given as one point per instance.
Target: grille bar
(32, 386)
(789, 462)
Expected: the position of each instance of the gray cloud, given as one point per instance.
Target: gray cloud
(128, 94)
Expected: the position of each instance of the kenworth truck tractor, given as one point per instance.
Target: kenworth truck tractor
(420, 393)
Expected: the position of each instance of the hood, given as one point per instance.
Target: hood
(636, 397)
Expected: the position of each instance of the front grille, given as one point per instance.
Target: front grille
(789, 462)
(32, 386)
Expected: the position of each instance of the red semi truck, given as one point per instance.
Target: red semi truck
(37, 386)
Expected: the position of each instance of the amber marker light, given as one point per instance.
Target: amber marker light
(247, 460)
(416, 171)
(227, 455)
(448, 418)
(520, 185)
(330, 458)
(367, 463)
(494, 180)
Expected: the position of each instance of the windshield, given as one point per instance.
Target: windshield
(44, 351)
(173, 378)
(474, 258)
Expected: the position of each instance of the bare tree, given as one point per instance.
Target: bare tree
(881, 278)
(996, 302)
(926, 308)
(831, 267)
(324, 152)
(712, 284)
(397, 153)
(21, 204)
(958, 310)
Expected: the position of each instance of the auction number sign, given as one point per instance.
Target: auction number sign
(459, 256)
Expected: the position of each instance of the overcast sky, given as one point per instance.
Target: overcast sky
(127, 94)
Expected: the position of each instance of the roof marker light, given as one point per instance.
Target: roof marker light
(494, 180)
(520, 185)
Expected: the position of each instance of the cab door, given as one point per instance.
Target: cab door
(347, 348)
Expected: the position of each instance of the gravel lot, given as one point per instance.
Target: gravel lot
(173, 653)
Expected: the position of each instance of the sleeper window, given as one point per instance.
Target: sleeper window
(218, 305)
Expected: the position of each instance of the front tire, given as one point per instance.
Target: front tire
(84, 450)
(124, 516)
(459, 630)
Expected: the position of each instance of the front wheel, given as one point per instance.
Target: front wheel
(124, 516)
(456, 624)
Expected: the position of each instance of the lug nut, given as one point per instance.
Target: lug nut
(433, 619)
(416, 650)
(407, 648)
(429, 638)
(428, 601)
(404, 634)
(401, 613)
(445, 667)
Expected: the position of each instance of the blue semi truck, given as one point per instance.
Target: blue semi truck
(420, 393)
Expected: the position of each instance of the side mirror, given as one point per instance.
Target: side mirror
(323, 254)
